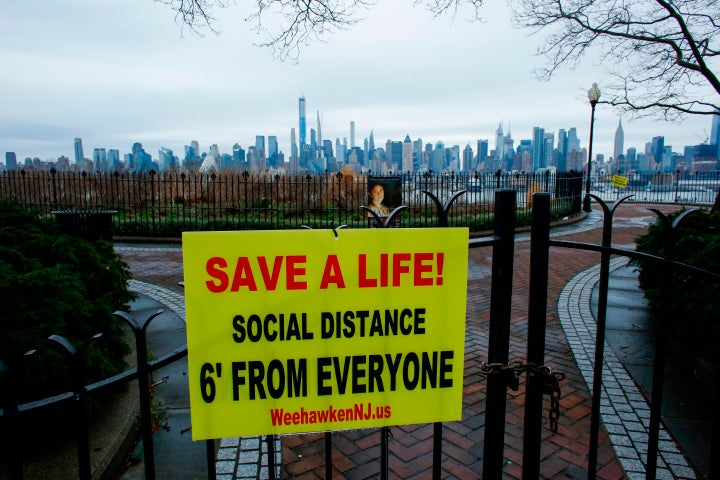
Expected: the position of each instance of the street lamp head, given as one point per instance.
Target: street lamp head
(594, 94)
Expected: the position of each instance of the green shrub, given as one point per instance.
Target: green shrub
(57, 284)
(694, 323)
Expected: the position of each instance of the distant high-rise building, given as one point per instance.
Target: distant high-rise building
(439, 160)
(468, 160)
(319, 133)
(657, 148)
(407, 155)
(548, 149)
(303, 131)
(630, 160)
(418, 155)
(499, 143)
(113, 157)
(327, 149)
(573, 142)
(352, 134)
(272, 151)
(293, 144)
(482, 151)
(10, 161)
(136, 156)
(619, 142)
(339, 151)
(394, 153)
(259, 146)
(166, 159)
(100, 159)
(141, 161)
(79, 155)
(538, 148)
(715, 132)
(561, 152)
(238, 156)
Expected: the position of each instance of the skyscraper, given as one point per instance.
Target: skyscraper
(619, 142)
(538, 146)
(167, 159)
(352, 134)
(272, 151)
(715, 132)
(303, 128)
(10, 161)
(319, 135)
(573, 142)
(467, 165)
(657, 148)
(561, 158)
(548, 149)
(407, 154)
(499, 143)
(113, 156)
(293, 144)
(79, 155)
(259, 146)
(482, 150)
(100, 159)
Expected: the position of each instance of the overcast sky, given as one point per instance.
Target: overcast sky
(114, 72)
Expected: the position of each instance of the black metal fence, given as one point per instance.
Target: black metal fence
(168, 203)
(683, 187)
(502, 244)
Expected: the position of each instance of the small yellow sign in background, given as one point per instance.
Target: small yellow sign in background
(312, 330)
(619, 181)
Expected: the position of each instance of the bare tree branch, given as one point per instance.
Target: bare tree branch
(662, 54)
(196, 14)
(298, 23)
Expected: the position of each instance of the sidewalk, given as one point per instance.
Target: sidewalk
(158, 269)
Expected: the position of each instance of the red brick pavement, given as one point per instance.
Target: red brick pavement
(563, 454)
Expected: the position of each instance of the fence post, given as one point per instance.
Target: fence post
(600, 331)
(53, 179)
(139, 331)
(8, 379)
(660, 346)
(152, 199)
(499, 337)
(81, 432)
(442, 212)
(539, 255)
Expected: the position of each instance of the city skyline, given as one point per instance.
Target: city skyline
(125, 72)
(351, 139)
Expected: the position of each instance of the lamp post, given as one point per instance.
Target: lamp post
(593, 97)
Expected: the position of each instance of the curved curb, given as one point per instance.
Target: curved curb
(624, 411)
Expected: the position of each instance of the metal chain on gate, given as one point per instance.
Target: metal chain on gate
(550, 382)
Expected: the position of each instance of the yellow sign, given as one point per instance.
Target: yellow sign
(302, 330)
(619, 181)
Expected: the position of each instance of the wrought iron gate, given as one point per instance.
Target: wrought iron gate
(501, 372)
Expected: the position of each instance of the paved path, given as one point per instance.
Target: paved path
(564, 454)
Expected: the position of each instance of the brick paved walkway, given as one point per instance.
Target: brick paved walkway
(564, 454)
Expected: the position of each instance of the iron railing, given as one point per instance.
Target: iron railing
(168, 203)
(501, 299)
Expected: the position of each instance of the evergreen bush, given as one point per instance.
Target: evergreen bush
(694, 323)
(55, 284)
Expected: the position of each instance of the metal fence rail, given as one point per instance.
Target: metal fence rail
(168, 203)
(501, 298)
